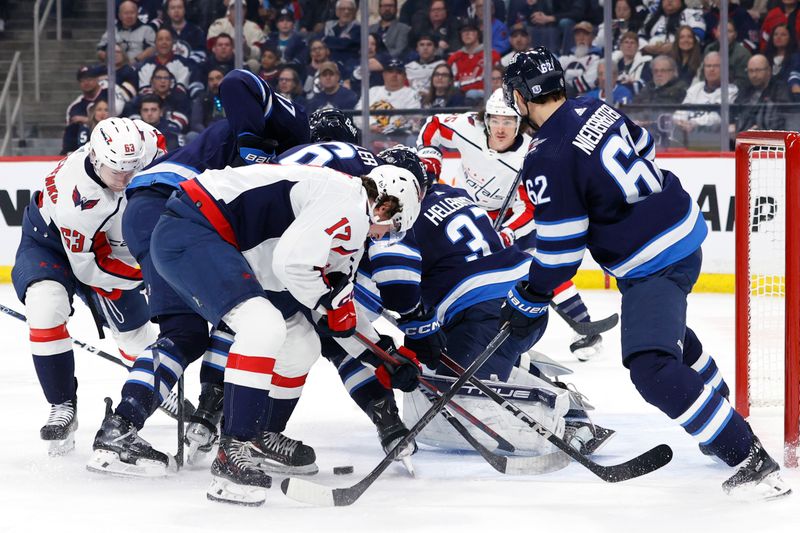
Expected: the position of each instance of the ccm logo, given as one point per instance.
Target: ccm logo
(424, 329)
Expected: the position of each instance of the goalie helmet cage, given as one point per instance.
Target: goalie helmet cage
(768, 278)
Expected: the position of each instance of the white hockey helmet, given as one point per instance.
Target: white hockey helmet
(117, 151)
(496, 106)
(154, 142)
(401, 184)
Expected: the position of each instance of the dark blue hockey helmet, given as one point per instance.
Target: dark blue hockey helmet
(332, 124)
(534, 73)
(407, 158)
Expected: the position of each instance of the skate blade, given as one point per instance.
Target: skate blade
(108, 462)
(225, 491)
(409, 466)
(274, 467)
(587, 354)
(195, 453)
(57, 448)
(772, 487)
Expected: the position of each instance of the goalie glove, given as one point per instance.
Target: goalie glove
(423, 335)
(338, 306)
(508, 236)
(431, 158)
(525, 311)
(402, 374)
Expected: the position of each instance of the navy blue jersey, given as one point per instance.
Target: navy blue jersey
(451, 259)
(344, 157)
(592, 176)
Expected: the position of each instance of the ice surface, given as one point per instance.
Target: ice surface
(450, 493)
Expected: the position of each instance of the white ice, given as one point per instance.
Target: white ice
(451, 493)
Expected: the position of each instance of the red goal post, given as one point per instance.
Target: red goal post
(768, 277)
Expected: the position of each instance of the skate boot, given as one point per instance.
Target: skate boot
(236, 476)
(59, 431)
(202, 432)
(170, 407)
(587, 347)
(385, 416)
(758, 477)
(281, 455)
(585, 437)
(119, 450)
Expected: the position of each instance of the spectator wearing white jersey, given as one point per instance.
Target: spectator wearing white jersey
(704, 92)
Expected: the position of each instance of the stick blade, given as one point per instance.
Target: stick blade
(646, 463)
(536, 465)
(304, 491)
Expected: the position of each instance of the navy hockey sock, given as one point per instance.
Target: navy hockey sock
(702, 363)
(277, 414)
(54, 362)
(701, 410)
(569, 302)
(246, 423)
(360, 382)
(216, 356)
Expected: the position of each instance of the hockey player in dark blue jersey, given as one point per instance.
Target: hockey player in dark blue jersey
(592, 175)
(258, 125)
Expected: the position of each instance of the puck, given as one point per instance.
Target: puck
(342, 470)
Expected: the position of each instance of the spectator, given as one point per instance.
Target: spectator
(190, 40)
(185, 72)
(319, 54)
(520, 41)
(442, 27)
(176, 105)
(269, 64)
(419, 71)
(315, 14)
(686, 53)
(290, 44)
(91, 92)
(151, 112)
(443, 92)
(147, 12)
(746, 19)
(629, 15)
(666, 87)
(621, 94)
(661, 26)
(253, 35)
(390, 31)
(393, 94)
(207, 106)
(467, 63)
(704, 92)
(222, 55)
(332, 93)
(500, 42)
(781, 49)
(137, 39)
(580, 65)
(760, 96)
(377, 57)
(552, 22)
(289, 85)
(77, 134)
(738, 56)
(633, 67)
(127, 79)
(497, 77)
(782, 14)
(343, 35)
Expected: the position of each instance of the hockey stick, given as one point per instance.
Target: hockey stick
(165, 406)
(531, 465)
(501, 214)
(309, 492)
(181, 407)
(588, 328)
(640, 465)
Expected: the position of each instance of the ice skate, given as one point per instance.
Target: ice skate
(758, 477)
(280, 454)
(588, 347)
(236, 476)
(202, 432)
(391, 429)
(585, 437)
(119, 450)
(59, 431)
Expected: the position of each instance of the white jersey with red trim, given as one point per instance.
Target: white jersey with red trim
(85, 211)
(486, 175)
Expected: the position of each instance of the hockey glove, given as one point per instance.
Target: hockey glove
(508, 237)
(423, 335)
(431, 158)
(402, 375)
(113, 294)
(340, 320)
(253, 149)
(525, 311)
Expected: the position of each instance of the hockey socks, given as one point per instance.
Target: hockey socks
(216, 356)
(54, 361)
(703, 364)
(680, 392)
(567, 299)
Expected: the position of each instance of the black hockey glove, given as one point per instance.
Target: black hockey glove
(338, 306)
(525, 311)
(423, 335)
(403, 375)
(252, 149)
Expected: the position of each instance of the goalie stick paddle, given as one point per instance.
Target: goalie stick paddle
(640, 465)
(588, 329)
(309, 492)
(171, 401)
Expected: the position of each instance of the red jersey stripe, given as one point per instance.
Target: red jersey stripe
(209, 208)
(49, 334)
(248, 363)
(102, 256)
(288, 383)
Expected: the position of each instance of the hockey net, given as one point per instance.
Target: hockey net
(768, 278)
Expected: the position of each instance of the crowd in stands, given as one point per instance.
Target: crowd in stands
(171, 55)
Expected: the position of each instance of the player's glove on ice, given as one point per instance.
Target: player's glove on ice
(253, 149)
(431, 158)
(525, 311)
(402, 374)
(340, 319)
(423, 335)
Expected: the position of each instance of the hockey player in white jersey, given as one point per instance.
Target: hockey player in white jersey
(492, 149)
(68, 247)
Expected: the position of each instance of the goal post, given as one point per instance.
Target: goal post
(768, 278)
